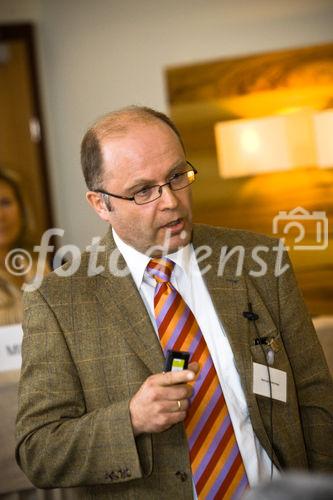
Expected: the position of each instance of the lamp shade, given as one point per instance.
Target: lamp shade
(250, 147)
(323, 124)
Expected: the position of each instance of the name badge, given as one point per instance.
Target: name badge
(10, 347)
(273, 385)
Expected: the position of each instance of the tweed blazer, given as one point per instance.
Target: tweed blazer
(89, 345)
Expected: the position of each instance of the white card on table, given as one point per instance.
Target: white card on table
(261, 382)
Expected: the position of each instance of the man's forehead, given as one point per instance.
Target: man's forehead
(130, 130)
(140, 145)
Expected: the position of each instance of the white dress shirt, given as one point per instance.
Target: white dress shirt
(187, 279)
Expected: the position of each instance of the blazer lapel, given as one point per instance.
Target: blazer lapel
(134, 321)
(229, 295)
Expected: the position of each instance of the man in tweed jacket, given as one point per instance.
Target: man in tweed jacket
(95, 409)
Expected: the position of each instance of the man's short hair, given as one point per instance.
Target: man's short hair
(112, 124)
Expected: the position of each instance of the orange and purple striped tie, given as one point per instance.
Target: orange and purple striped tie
(217, 466)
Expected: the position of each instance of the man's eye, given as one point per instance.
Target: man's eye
(144, 192)
(179, 176)
(175, 176)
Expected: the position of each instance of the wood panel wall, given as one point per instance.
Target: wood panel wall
(248, 87)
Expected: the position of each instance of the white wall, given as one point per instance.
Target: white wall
(19, 10)
(98, 56)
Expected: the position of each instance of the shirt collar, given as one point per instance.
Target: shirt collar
(137, 261)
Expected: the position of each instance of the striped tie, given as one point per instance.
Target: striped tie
(217, 467)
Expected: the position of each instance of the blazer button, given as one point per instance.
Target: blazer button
(181, 475)
(112, 476)
(124, 473)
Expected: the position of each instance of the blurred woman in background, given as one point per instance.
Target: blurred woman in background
(13, 234)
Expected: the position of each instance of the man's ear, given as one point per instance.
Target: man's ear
(98, 203)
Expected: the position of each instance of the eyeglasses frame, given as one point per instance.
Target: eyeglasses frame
(160, 186)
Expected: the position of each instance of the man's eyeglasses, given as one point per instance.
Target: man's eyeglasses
(179, 180)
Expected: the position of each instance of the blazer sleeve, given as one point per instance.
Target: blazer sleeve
(59, 443)
(312, 378)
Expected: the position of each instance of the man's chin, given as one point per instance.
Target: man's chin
(173, 241)
(180, 240)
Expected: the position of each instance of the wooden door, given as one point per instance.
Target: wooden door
(21, 135)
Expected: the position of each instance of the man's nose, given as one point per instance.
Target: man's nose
(168, 197)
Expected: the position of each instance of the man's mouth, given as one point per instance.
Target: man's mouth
(174, 223)
(175, 227)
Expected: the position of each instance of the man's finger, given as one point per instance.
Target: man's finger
(171, 378)
(194, 366)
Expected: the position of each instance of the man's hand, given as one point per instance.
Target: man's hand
(155, 407)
